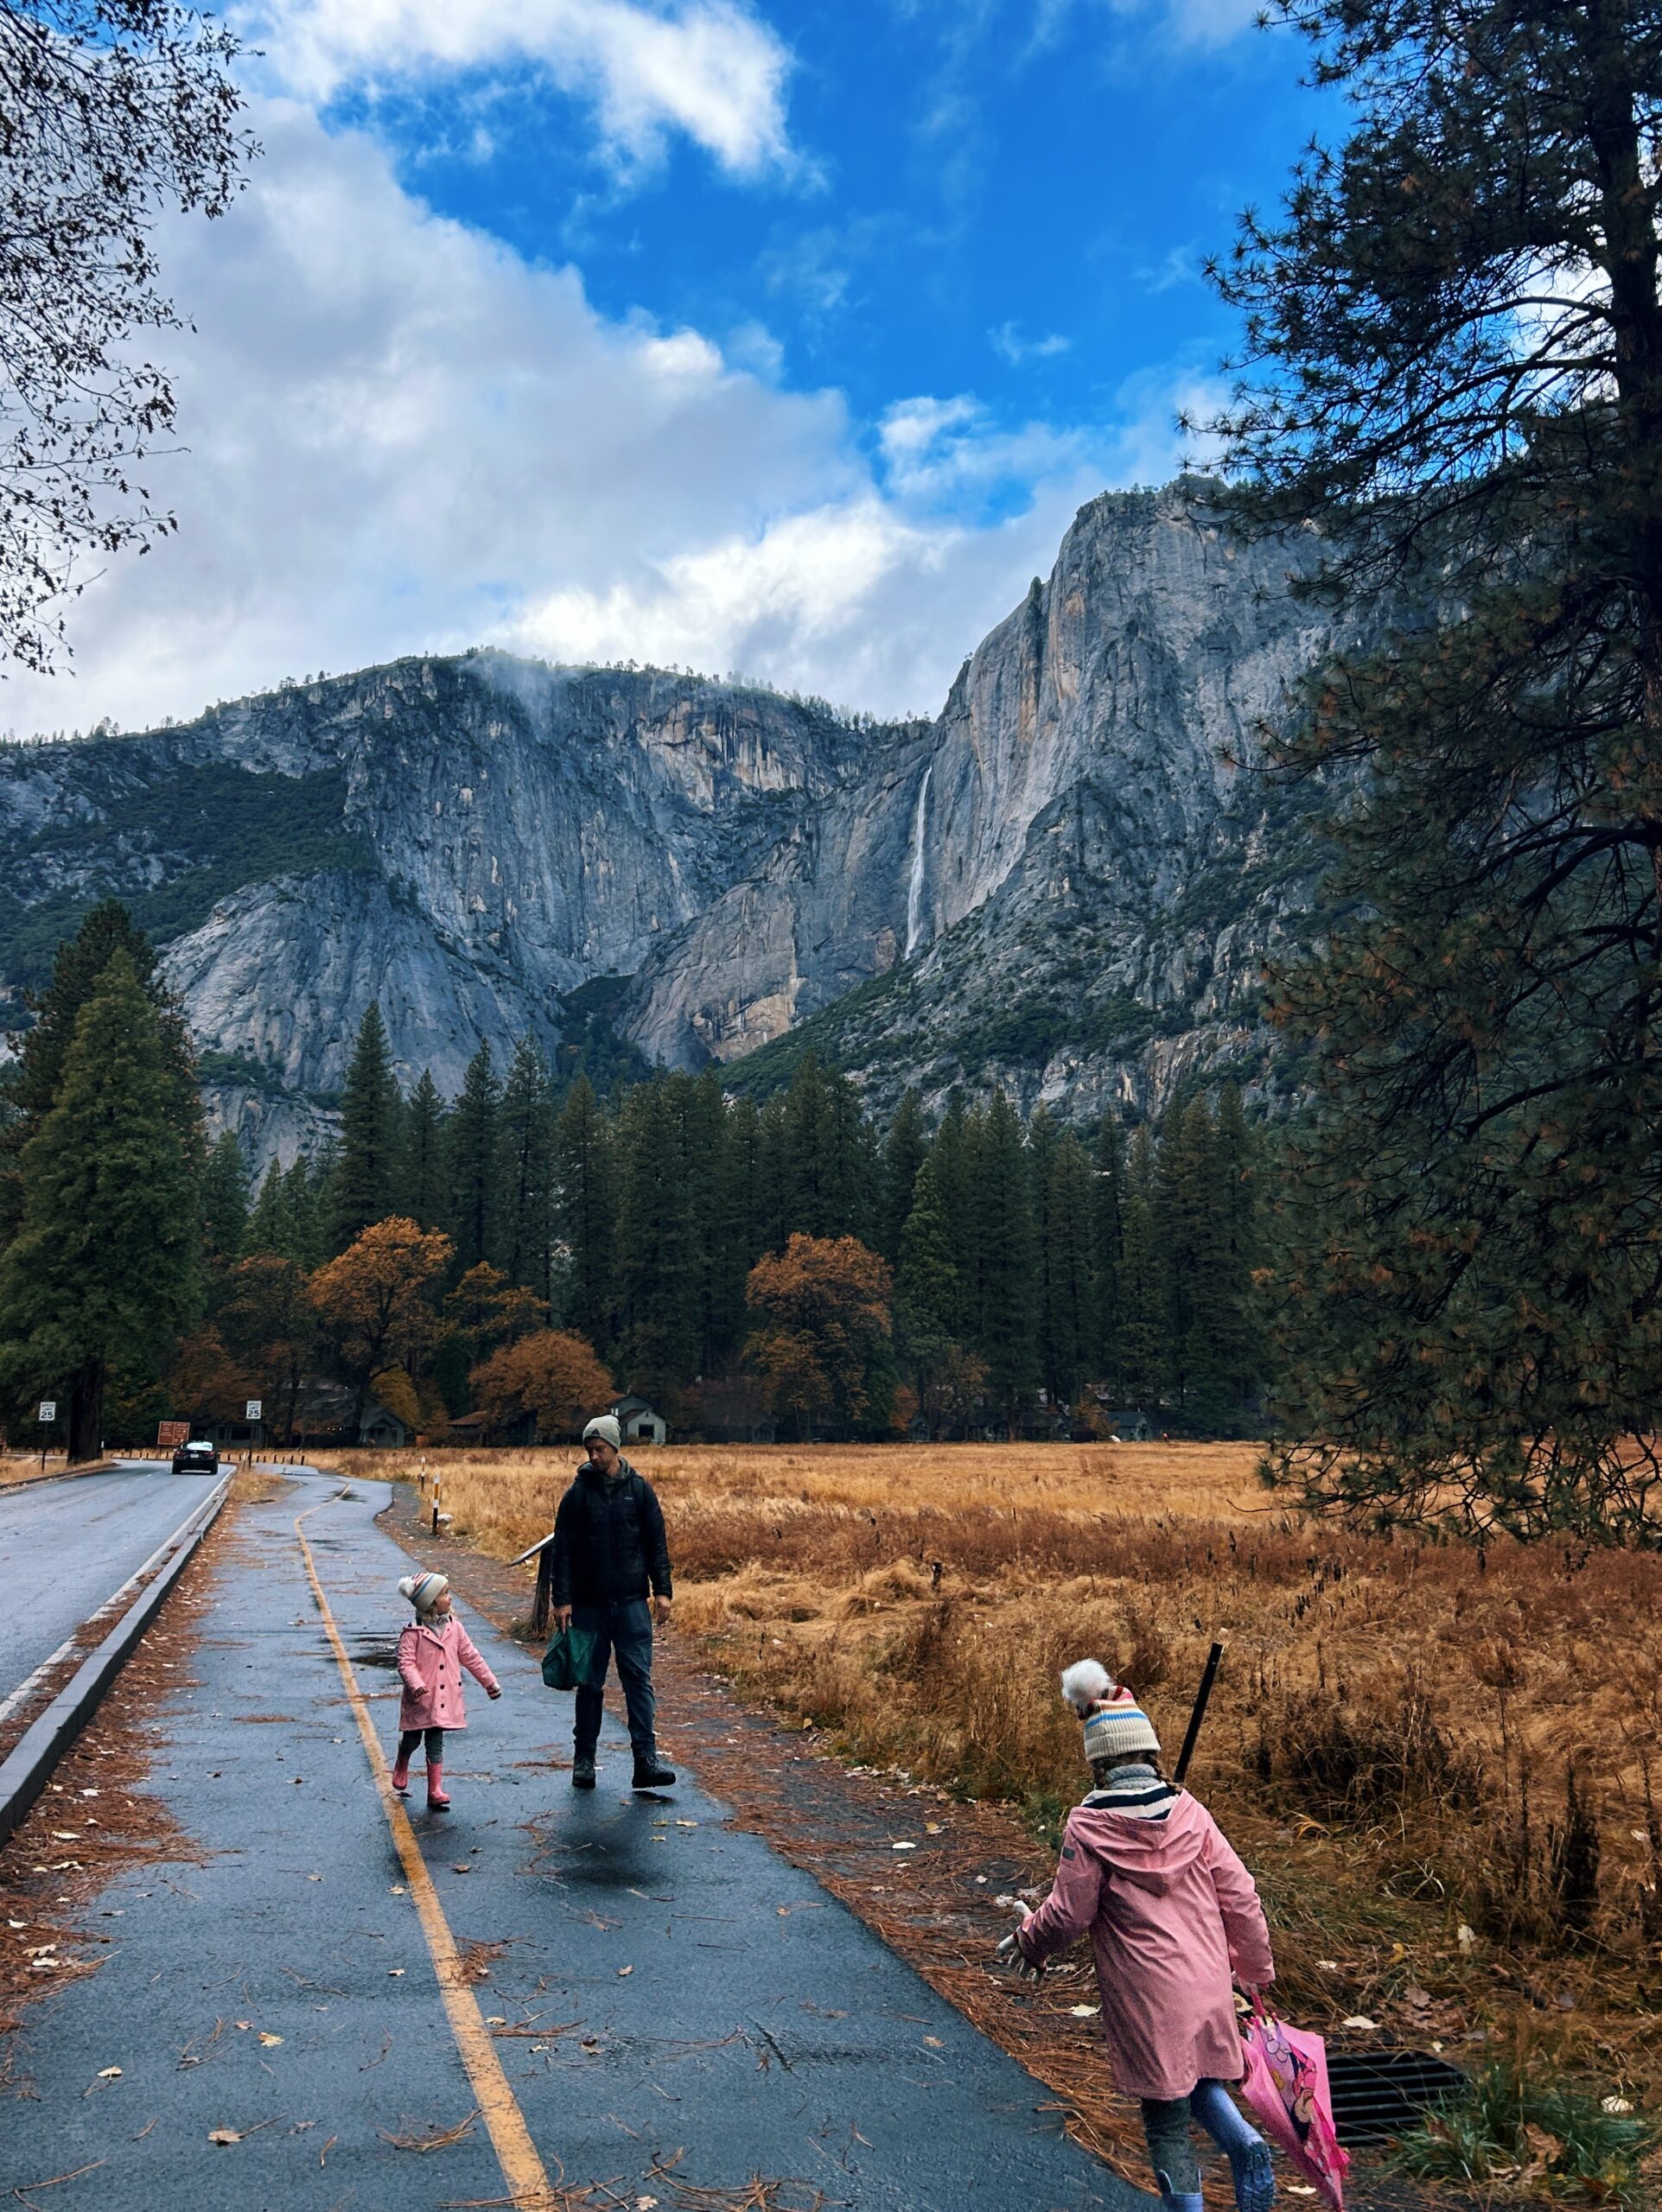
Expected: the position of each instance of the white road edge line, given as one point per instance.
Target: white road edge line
(11, 1705)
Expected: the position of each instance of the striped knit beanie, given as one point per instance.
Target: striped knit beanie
(425, 1591)
(1114, 1729)
(1115, 1724)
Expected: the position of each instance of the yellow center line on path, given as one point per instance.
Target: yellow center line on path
(517, 2155)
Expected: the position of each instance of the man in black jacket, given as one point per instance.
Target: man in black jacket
(606, 1552)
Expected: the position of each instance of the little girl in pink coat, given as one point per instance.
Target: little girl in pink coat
(1172, 1914)
(432, 1652)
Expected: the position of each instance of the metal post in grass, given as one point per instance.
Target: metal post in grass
(1202, 1699)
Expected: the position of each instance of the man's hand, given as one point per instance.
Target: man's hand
(562, 1616)
(661, 1611)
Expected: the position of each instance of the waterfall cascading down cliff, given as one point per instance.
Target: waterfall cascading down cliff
(914, 884)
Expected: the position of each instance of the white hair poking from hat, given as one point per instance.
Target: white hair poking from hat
(1086, 1683)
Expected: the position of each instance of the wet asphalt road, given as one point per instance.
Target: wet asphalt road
(66, 1547)
(686, 1991)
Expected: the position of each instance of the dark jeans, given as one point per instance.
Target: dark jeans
(411, 1736)
(1166, 2124)
(626, 1633)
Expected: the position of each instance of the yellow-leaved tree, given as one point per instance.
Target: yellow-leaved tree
(552, 1374)
(821, 1309)
(375, 1302)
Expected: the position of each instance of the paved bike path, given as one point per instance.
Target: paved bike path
(687, 1991)
(67, 1546)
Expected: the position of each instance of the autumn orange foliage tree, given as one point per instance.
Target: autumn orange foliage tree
(375, 1300)
(821, 1310)
(553, 1375)
(489, 1310)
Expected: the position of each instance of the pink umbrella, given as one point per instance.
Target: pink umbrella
(1286, 2086)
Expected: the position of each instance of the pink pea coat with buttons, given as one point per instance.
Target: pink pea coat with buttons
(431, 1660)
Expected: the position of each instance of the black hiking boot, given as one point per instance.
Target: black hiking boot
(651, 1773)
(583, 1770)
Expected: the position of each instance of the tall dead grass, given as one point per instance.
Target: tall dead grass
(1442, 1762)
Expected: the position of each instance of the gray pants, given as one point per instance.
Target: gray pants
(411, 1736)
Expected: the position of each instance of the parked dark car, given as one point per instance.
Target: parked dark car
(196, 1458)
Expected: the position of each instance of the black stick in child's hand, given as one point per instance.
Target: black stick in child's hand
(1202, 1697)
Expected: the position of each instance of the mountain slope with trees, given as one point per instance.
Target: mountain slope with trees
(1064, 886)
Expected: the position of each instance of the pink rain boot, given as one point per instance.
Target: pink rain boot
(401, 1775)
(436, 1800)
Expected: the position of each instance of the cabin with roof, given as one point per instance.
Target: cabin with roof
(640, 1423)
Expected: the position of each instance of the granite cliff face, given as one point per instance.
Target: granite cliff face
(1065, 882)
(1069, 882)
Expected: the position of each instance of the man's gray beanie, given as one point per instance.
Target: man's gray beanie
(604, 1426)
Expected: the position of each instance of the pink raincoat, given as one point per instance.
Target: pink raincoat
(1170, 1911)
(431, 1655)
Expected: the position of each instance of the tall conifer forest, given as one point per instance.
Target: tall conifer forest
(1039, 1277)
(530, 1244)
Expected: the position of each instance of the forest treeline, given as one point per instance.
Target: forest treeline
(526, 1245)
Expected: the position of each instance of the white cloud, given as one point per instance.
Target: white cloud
(1195, 22)
(1008, 344)
(705, 68)
(402, 437)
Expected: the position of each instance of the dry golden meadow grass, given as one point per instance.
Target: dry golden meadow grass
(1440, 1764)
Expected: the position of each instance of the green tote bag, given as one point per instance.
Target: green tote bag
(569, 1661)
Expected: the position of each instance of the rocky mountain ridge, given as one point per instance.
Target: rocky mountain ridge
(1066, 881)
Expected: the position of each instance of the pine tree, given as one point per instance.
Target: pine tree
(587, 1213)
(1042, 1136)
(950, 1157)
(225, 1201)
(810, 1195)
(104, 1269)
(424, 1179)
(745, 1179)
(773, 1193)
(1240, 1350)
(1072, 1327)
(655, 1265)
(1004, 1245)
(269, 1226)
(1141, 1334)
(1108, 1245)
(32, 1087)
(472, 1139)
(720, 1229)
(852, 1170)
(927, 1294)
(1196, 1291)
(1453, 396)
(525, 1172)
(903, 1155)
(308, 1194)
(366, 1167)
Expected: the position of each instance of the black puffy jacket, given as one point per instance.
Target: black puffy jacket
(608, 1544)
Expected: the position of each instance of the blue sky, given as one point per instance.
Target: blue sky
(778, 339)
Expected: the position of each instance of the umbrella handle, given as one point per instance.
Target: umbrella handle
(1215, 1659)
